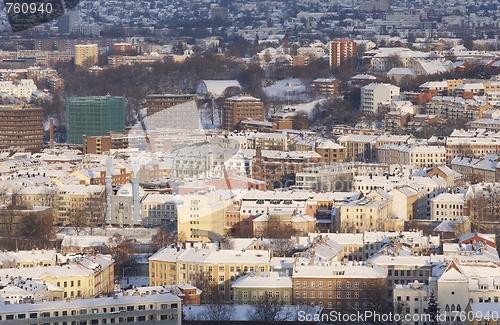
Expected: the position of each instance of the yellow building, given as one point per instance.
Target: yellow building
(163, 266)
(202, 215)
(211, 270)
(364, 215)
(84, 204)
(86, 55)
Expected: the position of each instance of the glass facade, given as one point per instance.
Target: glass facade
(94, 116)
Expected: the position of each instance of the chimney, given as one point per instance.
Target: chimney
(51, 133)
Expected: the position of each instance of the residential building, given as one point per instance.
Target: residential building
(338, 286)
(19, 88)
(252, 288)
(155, 308)
(83, 205)
(374, 94)
(326, 86)
(358, 216)
(278, 168)
(21, 128)
(358, 147)
(447, 206)
(166, 111)
(238, 108)
(341, 50)
(159, 209)
(202, 215)
(86, 55)
(94, 116)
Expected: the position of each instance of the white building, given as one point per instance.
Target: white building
(160, 209)
(20, 88)
(373, 94)
(447, 206)
(422, 156)
(154, 308)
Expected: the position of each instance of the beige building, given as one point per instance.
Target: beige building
(363, 215)
(202, 215)
(86, 55)
(211, 270)
(82, 204)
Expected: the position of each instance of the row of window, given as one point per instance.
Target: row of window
(330, 284)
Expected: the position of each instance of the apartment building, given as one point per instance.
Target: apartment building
(363, 215)
(254, 287)
(160, 209)
(86, 55)
(339, 286)
(211, 269)
(238, 108)
(447, 206)
(341, 50)
(202, 215)
(75, 200)
(21, 128)
(152, 308)
(374, 94)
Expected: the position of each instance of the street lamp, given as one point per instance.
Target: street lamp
(123, 275)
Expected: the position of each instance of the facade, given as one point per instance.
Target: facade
(252, 288)
(86, 55)
(447, 206)
(19, 88)
(326, 86)
(158, 102)
(341, 50)
(374, 94)
(364, 215)
(159, 209)
(21, 128)
(201, 216)
(94, 116)
(81, 203)
(152, 308)
(213, 270)
(337, 287)
(238, 108)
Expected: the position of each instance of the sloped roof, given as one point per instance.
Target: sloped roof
(215, 88)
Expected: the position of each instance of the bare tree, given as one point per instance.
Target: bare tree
(162, 238)
(218, 313)
(269, 310)
(209, 289)
(226, 243)
(122, 250)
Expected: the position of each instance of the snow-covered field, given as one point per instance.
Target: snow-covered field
(287, 89)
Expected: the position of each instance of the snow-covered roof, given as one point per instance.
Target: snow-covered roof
(215, 88)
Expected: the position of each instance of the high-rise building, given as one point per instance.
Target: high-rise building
(94, 116)
(239, 108)
(21, 128)
(340, 51)
(159, 102)
(86, 55)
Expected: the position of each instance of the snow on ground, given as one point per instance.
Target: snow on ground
(305, 107)
(141, 235)
(285, 88)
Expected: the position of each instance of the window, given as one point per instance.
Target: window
(348, 284)
(320, 284)
(304, 284)
(312, 284)
(21, 316)
(330, 284)
(297, 284)
(245, 294)
(339, 295)
(339, 284)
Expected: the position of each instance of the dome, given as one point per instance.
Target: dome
(126, 190)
